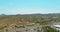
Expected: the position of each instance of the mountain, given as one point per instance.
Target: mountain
(38, 18)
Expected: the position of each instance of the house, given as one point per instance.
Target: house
(57, 27)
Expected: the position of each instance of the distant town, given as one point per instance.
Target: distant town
(30, 23)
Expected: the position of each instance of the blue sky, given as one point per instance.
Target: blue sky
(29, 6)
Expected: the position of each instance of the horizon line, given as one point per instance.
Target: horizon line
(28, 13)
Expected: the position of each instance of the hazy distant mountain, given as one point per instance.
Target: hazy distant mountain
(3, 15)
(38, 14)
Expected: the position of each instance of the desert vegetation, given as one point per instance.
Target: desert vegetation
(34, 21)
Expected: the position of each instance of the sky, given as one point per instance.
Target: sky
(29, 6)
